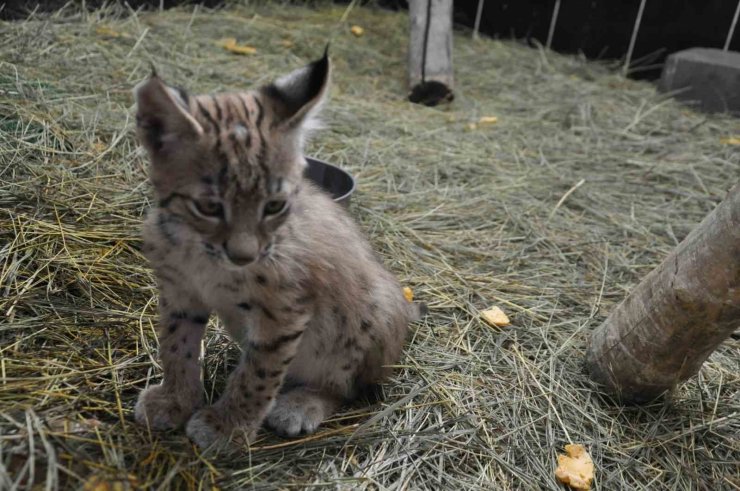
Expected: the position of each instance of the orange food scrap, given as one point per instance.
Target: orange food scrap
(575, 469)
(495, 317)
(408, 294)
(484, 120)
(357, 30)
(71, 426)
(730, 140)
(107, 31)
(122, 483)
(99, 147)
(230, 44)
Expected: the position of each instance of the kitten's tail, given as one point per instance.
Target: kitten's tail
(418, 310)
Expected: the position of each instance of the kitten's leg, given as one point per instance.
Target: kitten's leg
(182, 323)
(300, 410)
(252, 387)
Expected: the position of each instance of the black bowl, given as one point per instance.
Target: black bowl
(335, 181)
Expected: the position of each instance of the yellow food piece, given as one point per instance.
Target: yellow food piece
(495, 317)
(231, 45)
(64, 425)
(98, 483)
(488, 120)
(357, 30)
(575, 469)
(226, 42)
(408, 294)
(730, 140)
(107, 31)
(99, 147)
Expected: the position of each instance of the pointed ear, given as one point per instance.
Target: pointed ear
(299, 94)
(162, 117)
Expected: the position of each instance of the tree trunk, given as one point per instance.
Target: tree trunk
(672, 321)
(430, 51)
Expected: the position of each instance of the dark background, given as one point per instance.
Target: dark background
(600, 29)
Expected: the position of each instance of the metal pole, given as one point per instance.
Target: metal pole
(732, 27)
(478, 15)
(634, 38)
(553, 21)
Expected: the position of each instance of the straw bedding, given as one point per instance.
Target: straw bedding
(553, 213)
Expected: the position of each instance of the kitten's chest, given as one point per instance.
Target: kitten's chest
(225, 290)
(239, 299)
(218, 287)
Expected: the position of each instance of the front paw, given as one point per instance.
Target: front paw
(209, 429)
(162, 409)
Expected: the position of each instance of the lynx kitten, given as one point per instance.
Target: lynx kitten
(238, 231)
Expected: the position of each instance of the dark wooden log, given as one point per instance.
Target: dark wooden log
(430, 52)
(666, 328)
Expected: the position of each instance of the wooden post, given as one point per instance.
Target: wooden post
(672, 321)
(430, 51)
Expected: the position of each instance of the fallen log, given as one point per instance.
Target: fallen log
(674, 319)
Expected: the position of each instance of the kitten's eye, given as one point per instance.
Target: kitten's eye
(208, 208)
(274, 207)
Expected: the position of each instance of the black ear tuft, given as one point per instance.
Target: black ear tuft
(297, 93)
(150, 131)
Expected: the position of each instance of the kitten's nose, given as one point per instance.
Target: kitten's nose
(240, 260)
(241, 250)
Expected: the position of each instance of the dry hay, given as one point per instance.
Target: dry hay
(467, 217)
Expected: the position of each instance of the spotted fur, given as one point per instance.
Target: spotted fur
(238, 231)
